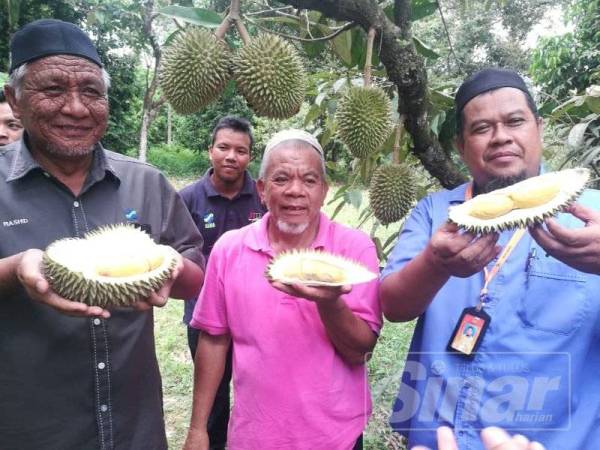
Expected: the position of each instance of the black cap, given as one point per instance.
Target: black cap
(48, 37)
(487, 80)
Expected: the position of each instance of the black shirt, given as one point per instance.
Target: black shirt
(215, 214)
(82, 383)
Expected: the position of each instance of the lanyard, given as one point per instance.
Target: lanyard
(489, 275)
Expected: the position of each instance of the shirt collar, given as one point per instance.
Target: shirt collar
(258, 239)
(23, 163)
(247, 187)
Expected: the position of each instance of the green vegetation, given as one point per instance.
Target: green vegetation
(176, 365)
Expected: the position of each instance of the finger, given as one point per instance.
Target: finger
(481, 251)
(572, 237)
(282, 287)
(519, 442)
(445, 439)
(420, 447)
(536, 446)
(141, 305)
(493, 438)
(584, 213)
(74, 308)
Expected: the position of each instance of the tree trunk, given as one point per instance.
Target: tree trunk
(150, 106)
(143, 150)
(405, 68)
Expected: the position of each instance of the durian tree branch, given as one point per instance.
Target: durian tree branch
(339, 30)
(405, 68)
(369, 57)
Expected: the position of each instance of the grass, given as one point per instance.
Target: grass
(384, 368)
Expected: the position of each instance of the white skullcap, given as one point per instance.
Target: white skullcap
(293, 134)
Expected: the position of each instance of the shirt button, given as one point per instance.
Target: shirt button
(76, 204)
(97, 321)
(101, 365)
(103, 408)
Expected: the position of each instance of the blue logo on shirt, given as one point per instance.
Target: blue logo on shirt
(209, 220)
(131, 215)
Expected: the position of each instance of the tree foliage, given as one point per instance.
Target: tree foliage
(567, 64)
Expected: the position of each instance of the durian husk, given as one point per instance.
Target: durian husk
(317, 268)
(72, 266)
(195, 69)
(364, 119)
(392, 192)
(570, 183)
(270, 75)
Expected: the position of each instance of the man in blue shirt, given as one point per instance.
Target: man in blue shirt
(536, 370)
(224, 199)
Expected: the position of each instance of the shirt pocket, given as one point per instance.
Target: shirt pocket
(555, 298)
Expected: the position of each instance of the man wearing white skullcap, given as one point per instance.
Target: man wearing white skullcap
(298, 352)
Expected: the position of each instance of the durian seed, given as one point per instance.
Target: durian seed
(489, 206)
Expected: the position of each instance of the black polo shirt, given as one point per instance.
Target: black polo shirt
(82, 383)
(215, 214)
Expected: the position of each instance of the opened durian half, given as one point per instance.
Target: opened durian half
(112, 266)
(316, 268)
(523, 204)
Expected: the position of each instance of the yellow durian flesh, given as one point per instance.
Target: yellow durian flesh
(113, 266)
(316, 268)
(123, 266)
(489, 206)
(538, 191)
(530, 195)
(312, 269)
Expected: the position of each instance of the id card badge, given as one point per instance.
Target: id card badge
(469, 332)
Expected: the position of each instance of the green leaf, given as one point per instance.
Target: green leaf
(338, 208)
(197, 16)
(342, 46)
(422, 8)
(359, 47)
(312, 114)
(354, 197)
(313, 49)
(424, 49)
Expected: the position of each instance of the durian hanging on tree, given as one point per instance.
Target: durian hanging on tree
(195, 69)
(392, 190)
(268, 70)
(364, 114)
(270, 75)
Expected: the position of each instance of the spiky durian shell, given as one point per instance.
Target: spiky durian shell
(270, 75)
(571, 182)
(364, 119)
(392, 192)
(352, 272)
(82, 285)
(194, 70)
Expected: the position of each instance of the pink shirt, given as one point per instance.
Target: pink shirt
(292, 390)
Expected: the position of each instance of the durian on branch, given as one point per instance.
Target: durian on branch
(268, 70)
(523, 204)
(112, 266)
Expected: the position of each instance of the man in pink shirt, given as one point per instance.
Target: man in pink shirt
(299, 352)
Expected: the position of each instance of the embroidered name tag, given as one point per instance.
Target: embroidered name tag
(12, 223)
